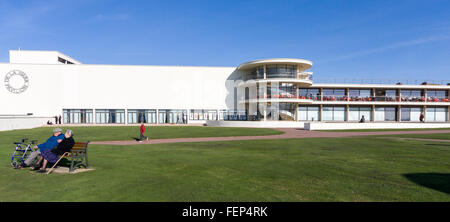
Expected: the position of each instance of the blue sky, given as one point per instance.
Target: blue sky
(345, 39)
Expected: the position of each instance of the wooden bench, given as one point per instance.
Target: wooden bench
(77, 155)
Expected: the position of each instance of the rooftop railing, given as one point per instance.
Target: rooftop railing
(380, 81)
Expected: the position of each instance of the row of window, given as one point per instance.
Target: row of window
(203, 114)
(338, 113)
(288, 90)
(274, 71)
(170, 116)
(354, 93)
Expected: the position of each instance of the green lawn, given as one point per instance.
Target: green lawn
(102, 133)
(314, 169)
(440, 136)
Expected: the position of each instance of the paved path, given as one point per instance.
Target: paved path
(288, 133)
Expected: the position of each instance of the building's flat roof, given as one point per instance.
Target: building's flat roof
(45, 52)
(302, 63)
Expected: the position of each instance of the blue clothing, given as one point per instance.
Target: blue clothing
(50, 143)
(49, 156)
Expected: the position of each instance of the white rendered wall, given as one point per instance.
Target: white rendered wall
(53, 88)
(256, 124)
(371, 125)
(12, 123)
(38, 57)
(33, 57)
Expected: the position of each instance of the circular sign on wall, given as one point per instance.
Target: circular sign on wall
(16, 81)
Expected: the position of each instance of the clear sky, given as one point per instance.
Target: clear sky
(352, 39)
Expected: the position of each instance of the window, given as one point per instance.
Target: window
(379, 114)
(230, 115)
(436, 114)
(172, 116)
(437, 95)
(333, 94)
(203, 114)
(405, 114)
(390, 113)
(356, 113)
(142, 115)
(257, 73)
(391, 95)
(308, 113)
(308, 94)
(281, 90)
(385, 114)
(360, 95)
(333, 113)
(411, 113)
(63, 61)
(110, 116)
(385, 94)
(75, 116)
(281, 71)
(411, 95)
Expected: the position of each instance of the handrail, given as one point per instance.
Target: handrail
(381, 81)
(354, 98)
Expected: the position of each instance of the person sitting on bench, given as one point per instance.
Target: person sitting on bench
(53, 155)
(51, 142)
(363, 119)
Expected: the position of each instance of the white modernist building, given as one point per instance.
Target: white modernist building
(44, 84)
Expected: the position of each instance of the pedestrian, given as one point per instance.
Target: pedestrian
(142, 131)
(363, 119)
(59, 119)
(421, 118)
(56, 119)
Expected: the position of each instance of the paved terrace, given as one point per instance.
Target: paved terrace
(288, 134)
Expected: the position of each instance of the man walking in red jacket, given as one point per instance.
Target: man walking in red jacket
(142, 130)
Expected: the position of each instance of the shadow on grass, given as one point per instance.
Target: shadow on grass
(438, 144)
(63, 163)
(435, 181)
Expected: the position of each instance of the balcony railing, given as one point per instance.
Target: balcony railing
(334, 98)
(388, 99)
(286, 96)
(355, 99)
(305, 75)
(380, 81)
(435, 99)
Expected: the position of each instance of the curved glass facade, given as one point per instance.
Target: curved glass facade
(273, 71)
(258, 73)
(281, 71)
(281, 90)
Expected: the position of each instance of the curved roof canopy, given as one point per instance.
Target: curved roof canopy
(302, 64)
